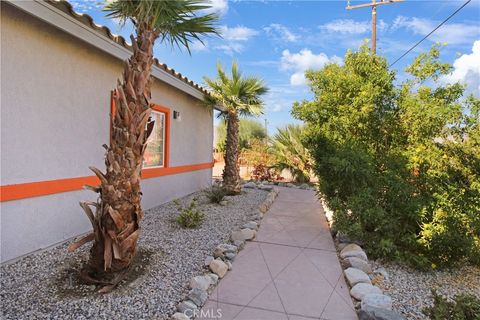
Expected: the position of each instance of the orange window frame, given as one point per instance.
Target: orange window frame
(157, 108)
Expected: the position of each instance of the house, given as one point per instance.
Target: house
(57, 72)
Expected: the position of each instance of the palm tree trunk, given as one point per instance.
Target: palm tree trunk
(231, 172)
(116, 223)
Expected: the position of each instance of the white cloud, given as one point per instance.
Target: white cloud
(451, 33)
(277, 102)
(198, 46)
(346, 26)
(234, 38)
(218, 6)
(230, 48)
(277, 108)
(280, 32)
(352, 27)
(303, 61)
(382, 25)
(85, 6)
(298, 79)
(281, 97)
(467, 69)
(239, 33)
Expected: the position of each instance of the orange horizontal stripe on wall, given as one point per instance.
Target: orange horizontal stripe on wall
(42, 188)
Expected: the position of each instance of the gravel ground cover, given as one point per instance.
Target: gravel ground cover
(411, 289)
(45, 285)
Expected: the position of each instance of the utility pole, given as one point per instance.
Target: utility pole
(266, 130)
(374, 27)
(373, 5)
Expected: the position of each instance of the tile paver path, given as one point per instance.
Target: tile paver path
(290, 271)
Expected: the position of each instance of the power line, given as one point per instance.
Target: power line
(441, 24)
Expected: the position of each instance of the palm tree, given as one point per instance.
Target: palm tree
(116, 222)
(291, 154)
(239, 96)
(248, 129)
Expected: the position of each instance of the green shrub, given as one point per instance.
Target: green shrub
(447, 237)
(399, 164)
(216, 194)
(464, 307)
(190, 216)
(249, 130)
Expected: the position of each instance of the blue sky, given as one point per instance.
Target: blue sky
(279, 40)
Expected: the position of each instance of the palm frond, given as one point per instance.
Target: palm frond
(291, 153)
(176, 22)
(236, 92)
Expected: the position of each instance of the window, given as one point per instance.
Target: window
(155, 152)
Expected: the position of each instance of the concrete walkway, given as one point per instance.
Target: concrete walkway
(291, 270)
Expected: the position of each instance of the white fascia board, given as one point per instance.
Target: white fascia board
(65, 22)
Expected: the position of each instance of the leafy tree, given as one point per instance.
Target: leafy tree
(248, 131)
(239, 96)
(398, 164)
(290, 152)
(116, 222)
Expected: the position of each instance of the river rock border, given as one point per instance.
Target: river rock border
(220, 262)
(369, 300)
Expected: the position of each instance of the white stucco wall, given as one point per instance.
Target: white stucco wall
(55, 104)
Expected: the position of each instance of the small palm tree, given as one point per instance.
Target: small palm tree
(291, 154)
(239, 96)
(116, 222)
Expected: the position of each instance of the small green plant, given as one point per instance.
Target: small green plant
(190, 216)
(464, 307)
(216, 194)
